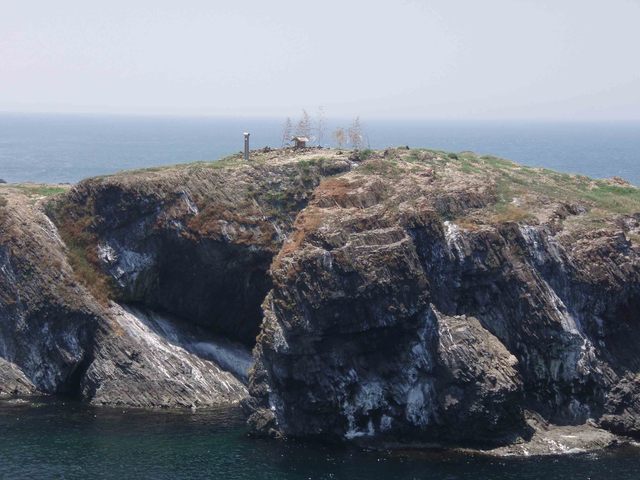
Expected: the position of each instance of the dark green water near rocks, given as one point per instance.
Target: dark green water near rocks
(51, 440)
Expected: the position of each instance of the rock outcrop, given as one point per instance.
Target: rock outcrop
(427, 297)
(13, 382)
(193, 242)
(47, 319)
(56, 338)
(197, 240)
(398, 298)
(156, 361)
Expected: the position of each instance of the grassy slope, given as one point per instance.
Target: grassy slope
(520, 191)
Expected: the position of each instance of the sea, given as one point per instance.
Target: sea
(50, 148)
(67, 440)
(63, 439)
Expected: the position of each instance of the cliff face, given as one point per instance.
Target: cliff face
(56, 338)
(406, 296)
(47, 320)
(193, 242)
(426, 297)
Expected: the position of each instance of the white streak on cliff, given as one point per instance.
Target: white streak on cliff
(172, 338)
(454, 239)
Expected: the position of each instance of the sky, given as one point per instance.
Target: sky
(433, 59)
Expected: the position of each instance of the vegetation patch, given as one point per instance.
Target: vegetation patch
(599, 197)
(521, 193)
(226, 162)
(366, 154)
(75, 228)
(510, 213)
(306, 223)
(3, 210)
(381, 166)
(37, 190)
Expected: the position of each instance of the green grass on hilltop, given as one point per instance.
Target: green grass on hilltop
(40, 190)
(514, 180)
(522, 193)
(225, 162)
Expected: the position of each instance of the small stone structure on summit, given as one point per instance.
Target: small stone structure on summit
(299, 142)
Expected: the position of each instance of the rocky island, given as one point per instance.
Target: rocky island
(398, 298)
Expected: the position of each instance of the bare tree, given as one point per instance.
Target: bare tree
(339, 136)
(286, 131)
(304, 125)
(320, 125)
(355, 134)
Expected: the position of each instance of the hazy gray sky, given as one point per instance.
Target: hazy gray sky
(563, 59)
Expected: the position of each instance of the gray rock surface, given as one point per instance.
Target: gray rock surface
(57, 338)
(412, 302)
(13, 381)
(150, 360)
(559, 440)
(194, 241)
(400, 298)
(47, 319)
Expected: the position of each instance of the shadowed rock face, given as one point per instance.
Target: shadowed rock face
(55, 338)
(195, 241)
(406, 306)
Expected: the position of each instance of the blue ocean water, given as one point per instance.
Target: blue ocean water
(67, 148)
(73, 441)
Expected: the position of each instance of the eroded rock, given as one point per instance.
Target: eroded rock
(408, 298)
(414, 300)
(150, 360)
(197, 240)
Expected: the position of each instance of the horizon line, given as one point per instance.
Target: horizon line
(283, 117)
